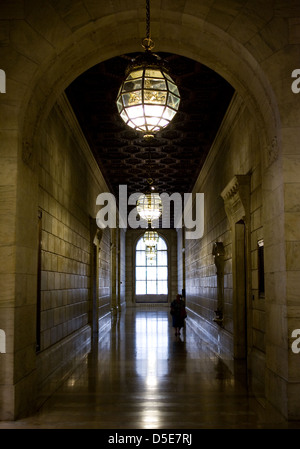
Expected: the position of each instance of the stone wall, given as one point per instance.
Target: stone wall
(104, 280)
(122, 265)
(181, 260)
(67, 199)
(235, 152)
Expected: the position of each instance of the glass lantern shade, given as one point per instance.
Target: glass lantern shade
(151, 255)
(148, 99)
(149, 206)
(151, 239)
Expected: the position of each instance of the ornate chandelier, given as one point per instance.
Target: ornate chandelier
(151, 238)
(148, 98)
(151, 255)
(149, 205)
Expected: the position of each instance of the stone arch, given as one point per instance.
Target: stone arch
(47, 47)
(236, 64)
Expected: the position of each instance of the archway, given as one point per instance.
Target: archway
(235, 64)
(62, 55)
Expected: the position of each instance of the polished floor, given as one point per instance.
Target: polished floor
(140, 376)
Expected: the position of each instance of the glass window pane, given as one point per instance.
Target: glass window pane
(151, 273)
(161, 244)
(151, 287)
(162, 258)
(140, 287)
(140, 273)
(162, 273)
(140, 245)
(162, 287)
(140, 258)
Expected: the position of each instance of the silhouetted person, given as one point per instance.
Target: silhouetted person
(178, 313)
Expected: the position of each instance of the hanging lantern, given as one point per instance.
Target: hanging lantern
(151, 238)
(149, 206)
(148, 98)
(151, 255)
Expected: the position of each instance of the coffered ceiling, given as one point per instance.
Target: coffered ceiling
(175, 156)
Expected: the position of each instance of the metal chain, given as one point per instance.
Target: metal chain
(148, 19)
(147, 42)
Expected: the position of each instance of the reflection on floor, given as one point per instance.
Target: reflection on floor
(140, 376)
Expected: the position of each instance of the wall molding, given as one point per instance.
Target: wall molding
(236, 196)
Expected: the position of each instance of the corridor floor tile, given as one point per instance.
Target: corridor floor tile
(140, 376)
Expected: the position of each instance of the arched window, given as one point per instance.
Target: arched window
(151, 277)
(2, 341)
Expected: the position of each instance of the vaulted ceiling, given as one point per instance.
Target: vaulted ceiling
(175, 157)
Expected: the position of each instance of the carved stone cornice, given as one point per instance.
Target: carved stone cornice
(236, 196)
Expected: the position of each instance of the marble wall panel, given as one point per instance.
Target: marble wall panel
(235, 152)
(67, 199)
